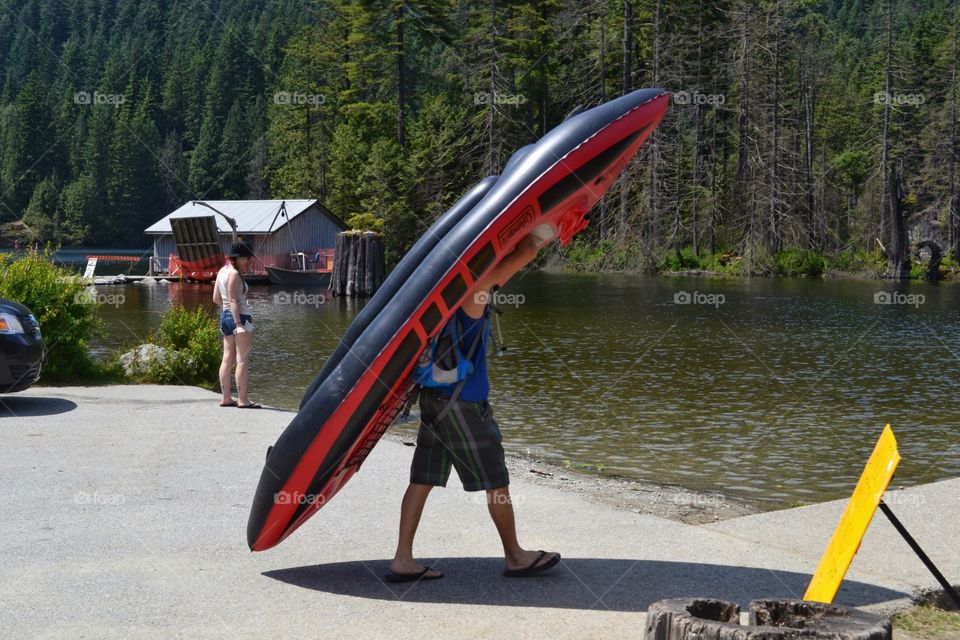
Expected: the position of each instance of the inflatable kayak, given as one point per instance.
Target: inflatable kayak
(547, 188)
(402, 271)
(417, 254)
(411, 260)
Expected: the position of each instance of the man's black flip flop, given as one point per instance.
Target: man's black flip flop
(252, 405)
(534, 568)
(393, 576)
(229, 404)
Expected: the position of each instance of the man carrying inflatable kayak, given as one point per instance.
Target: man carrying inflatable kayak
(457, 430)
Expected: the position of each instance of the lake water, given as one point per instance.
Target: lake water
(771, 390)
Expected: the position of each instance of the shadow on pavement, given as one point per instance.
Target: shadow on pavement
(577, 583)
(34, 406)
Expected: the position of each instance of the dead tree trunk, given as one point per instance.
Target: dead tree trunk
(886, 206)
(654, 142)
(603, 57)
(809, 106)
(401, 77)
(358, 264)
(743, 118)
(899, 244)
(603, 98)
(627, 87)
(694, 212)
(774, 242)
(954, 225)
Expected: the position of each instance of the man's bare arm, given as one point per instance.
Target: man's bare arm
(523, 254)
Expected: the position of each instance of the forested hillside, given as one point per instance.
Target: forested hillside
(790, 117)
(115, 111)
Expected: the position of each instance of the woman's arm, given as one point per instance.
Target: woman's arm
(233, 284)
(217, 298)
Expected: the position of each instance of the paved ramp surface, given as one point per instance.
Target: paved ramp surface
(125, 509)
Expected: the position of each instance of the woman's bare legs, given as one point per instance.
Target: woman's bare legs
(244, 344)
(226, 367)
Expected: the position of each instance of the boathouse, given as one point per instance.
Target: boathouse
(286, 237)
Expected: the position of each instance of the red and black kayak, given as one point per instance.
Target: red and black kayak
(398, 276)
(549, 187)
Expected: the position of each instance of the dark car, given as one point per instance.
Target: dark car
(21, 347)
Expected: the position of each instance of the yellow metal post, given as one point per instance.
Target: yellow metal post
(855, 520)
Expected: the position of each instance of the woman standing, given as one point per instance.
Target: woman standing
(236, 325)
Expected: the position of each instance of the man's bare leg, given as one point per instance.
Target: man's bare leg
(501, 511)
(410, 511)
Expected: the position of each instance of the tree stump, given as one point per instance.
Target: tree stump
(710, 619)
(358, 264)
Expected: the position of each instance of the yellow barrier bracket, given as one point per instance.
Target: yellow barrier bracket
(855, 520)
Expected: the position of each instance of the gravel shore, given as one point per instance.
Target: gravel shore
(672, 503)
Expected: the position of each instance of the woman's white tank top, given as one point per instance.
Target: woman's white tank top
(222, 279)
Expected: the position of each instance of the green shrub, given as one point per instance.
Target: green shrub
(365, 222)
(685, 260)
(800, 262)
(194, 343)
(757, 261)
(842, 261)
(63, 307)
(721, 262)
(850, 261)
(583, 256)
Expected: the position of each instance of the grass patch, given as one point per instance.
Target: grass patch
(927, 622)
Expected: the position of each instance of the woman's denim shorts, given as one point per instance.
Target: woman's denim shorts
(228, 326)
